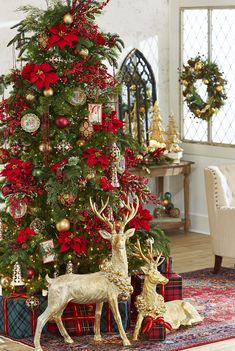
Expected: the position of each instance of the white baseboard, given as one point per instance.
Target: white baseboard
(199, 223)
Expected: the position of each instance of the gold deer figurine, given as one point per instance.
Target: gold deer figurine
(107, 285)
(151, 304)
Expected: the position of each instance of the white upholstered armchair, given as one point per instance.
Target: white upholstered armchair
(220, 193)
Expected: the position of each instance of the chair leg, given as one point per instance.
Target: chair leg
(218, 262)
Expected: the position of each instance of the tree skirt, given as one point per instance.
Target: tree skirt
(212, 295)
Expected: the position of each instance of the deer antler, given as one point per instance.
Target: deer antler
(133, 209)
(139, 252)
(99, 213)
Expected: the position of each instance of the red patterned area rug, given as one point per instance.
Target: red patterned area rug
(213, 296)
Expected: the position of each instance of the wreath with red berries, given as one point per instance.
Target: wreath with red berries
(199, 69)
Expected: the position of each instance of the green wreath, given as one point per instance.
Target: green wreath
(209, 73)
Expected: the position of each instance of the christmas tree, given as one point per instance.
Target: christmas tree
(62, 144)
(172, 135)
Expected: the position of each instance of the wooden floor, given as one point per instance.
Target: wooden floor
(192, 251)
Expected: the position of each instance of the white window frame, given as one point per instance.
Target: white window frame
(175, 6)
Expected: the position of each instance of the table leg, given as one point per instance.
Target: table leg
(186, 202)
(160, 186)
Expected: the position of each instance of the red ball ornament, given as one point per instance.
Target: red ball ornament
(4, 156)
(62, 122)
(30, 273)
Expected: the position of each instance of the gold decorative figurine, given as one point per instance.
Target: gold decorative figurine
(173, 140)
(156, 131)
(150, 303)
(107, 285)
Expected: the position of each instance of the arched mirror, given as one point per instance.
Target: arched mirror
(138, 96)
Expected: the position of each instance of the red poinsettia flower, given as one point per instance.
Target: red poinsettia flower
(105, 183)
(110, 123)
(95, 157)
(62, 36)
(58, 165)
(24, 234)
(70, 241)
(142, 219)
(40, 75)
(15, 169)
(99, 39)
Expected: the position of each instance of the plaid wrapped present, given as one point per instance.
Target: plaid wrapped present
(16, 319)
(79, 319)
(155, 329)
(174, 289)
(166, 266)
(171, 291)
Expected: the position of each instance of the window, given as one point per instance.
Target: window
(210, 32)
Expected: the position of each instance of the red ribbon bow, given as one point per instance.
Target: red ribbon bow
(150, 321)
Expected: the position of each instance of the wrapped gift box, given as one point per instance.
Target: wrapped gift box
(174, 289)
(157, 333)
(16, 319)
(79, 319)
(166, 266)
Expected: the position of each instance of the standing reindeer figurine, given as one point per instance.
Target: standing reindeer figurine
(107, 285)
(151, 304)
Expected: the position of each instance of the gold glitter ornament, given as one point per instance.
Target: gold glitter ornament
(84, 53)
(63, 225)
(48, 92)
(5, 282)
(68, 18)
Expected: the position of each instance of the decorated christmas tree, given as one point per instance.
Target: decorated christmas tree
(62, 144)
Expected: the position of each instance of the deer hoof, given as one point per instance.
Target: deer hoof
(97, 338)
(126, 342)
(68, 340)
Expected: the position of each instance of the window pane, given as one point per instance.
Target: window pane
(195, 41)
(223, 52)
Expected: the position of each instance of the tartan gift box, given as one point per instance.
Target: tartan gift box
(79, 319)
(16, 319)
(157, 333)
(171, 291)
(166, 266)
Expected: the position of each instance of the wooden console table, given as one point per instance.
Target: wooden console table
(161, 171)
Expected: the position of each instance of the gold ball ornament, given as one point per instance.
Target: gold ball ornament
(142, 109)
(185, 82)
(80, 142)
(45, 147)
(84, 53)
(206, 81)
(48, 92)
(68, 18)
(198, 66)
(198, 112)
(63, 225)
(30, 97)
(5, 282)
(219, 88)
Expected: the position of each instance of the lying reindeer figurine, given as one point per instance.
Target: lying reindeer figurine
(108, 285)
(150, 303)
